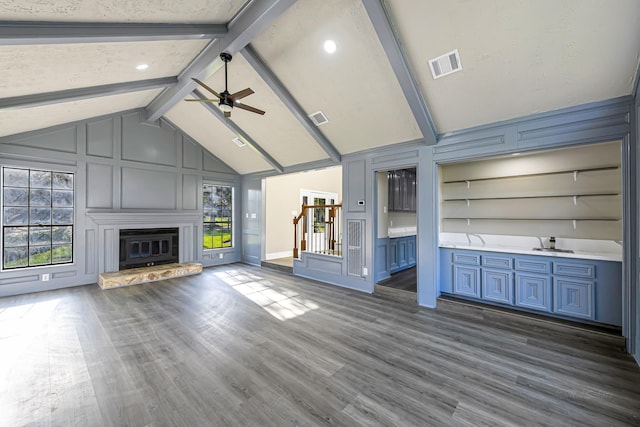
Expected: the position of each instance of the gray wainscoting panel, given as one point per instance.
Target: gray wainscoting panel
(148, 189)
(147, 143)
(109, 251)
(356, 186)
(90, 264)
(61, 140)
(191, 154)
(99, 186)
(100, 138)
(190, 191)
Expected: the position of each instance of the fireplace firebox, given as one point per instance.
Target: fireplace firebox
(148, 246)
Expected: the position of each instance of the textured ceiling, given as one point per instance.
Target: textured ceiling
(519, 58)
(355, 87)
(26, 119)
(46, 68)
(183, 11)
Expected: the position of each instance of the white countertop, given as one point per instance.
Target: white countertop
(524, 251)
(402, 231)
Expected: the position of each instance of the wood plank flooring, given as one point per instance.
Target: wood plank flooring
(244, 346)
(405, 280)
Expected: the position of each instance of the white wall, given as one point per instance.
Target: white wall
(282, 195)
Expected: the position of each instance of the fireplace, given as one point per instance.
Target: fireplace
(148, 246)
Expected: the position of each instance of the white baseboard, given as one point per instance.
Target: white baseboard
(275, 255)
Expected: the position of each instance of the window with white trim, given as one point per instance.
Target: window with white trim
(217, 216)
(37, 217)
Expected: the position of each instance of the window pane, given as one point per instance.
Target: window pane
(62, 216)
(62, 199)
(15, 236)
(15, 216)
(208, 215)
(39, 197)
(63, 181)
(62, 234)
(40, 179)
(16, 177)
(39, 216)
(39, 255)
(208, 236)
(62, 253)
(15, 257)
(16, 197)
(39, 235)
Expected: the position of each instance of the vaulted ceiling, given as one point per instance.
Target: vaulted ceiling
(69, 60)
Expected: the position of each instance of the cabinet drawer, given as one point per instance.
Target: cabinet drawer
(533, 266)
(469, 259)
(587, 271)
(497, 262)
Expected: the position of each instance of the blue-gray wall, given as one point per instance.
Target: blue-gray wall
(129, 174)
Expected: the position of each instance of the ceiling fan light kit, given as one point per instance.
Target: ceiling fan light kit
(226, 101)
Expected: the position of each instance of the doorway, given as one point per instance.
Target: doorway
(396, 230)
(316, 220)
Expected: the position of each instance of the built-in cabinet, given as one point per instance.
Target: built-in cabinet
(582, 289)
(401, 253)
(402, 190)
(394, 255)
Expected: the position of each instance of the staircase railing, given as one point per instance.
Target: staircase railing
(319, 230)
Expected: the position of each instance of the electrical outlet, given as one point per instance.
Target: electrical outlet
(221, 256)
(45, 277)
(365, 271)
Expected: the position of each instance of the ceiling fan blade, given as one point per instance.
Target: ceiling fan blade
(249, 108)
(206, 87)
(241, 94)
(227, 113)
(202, 100)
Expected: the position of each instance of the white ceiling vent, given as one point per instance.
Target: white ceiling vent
(239, 142)
(318, 118)
(445, 64)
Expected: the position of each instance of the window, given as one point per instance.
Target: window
(37, 218)
(217, 214)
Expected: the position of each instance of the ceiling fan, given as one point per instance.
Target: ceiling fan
(227, 101)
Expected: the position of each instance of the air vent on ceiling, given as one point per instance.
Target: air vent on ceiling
(239, 142)
(318, 118)
(445, 64)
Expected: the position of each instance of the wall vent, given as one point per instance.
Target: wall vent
(445, 64)
(318, 118)
(355, 246)
(239, 142)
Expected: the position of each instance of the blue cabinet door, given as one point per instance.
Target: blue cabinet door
(466, 281)
(573, 297)
(411, 250)
(402, 252)
(497, 286)
(533, 291)
(393, 255)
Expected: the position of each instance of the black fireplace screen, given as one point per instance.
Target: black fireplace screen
(149, 246)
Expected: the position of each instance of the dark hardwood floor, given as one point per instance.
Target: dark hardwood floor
(405, 280)
(244, 346)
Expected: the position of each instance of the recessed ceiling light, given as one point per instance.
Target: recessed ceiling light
(142, 67)
(330, 46)
(515, 154)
